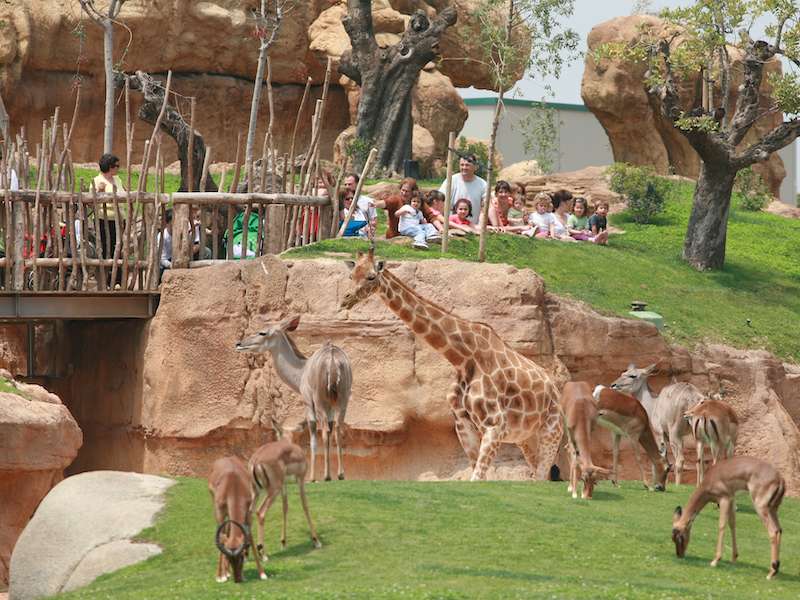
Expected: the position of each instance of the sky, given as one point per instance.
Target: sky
(587, 14)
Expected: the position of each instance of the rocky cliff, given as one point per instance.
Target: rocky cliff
(49, 47)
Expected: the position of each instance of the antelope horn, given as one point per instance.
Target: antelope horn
(241, 549)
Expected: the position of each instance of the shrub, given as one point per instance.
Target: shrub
(645, 191)
(751, 190)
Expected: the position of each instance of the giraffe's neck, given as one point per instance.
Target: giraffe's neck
(449, 335)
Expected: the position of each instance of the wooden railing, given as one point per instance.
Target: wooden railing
(53, 241)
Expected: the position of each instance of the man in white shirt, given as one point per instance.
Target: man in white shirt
(465, 184)
(365, 207)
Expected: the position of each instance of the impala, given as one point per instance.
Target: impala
(625, 416)
(579, 414)
(271, 467)
(724, 481)
(230, 491)
(715, 423)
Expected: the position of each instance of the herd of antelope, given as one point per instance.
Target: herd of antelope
(630, 409)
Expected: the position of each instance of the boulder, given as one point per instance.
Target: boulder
(615, 92)
(39, 438)
(85, 527)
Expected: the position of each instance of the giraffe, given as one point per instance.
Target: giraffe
(498, 395)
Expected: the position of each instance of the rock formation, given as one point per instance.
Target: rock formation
(209, 48)
(616, 93)
(39, 438)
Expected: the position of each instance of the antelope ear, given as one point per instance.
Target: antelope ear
(631, 366)
(350, 264)
(678, 512)
(291, 324)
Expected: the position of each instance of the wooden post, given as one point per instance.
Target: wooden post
(451, 142)
(181, 235)
(367, 166)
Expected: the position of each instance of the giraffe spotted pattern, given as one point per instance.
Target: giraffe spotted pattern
(498, 394)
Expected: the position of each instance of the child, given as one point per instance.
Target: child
(412, 223)
(578, 222)
(460, 217)
(599, 224)
(435, 200)
(516, 216)
(542, 221)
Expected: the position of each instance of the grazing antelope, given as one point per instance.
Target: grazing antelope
(579, 413)
(724, 481)
(271, 467)
(323, 381)
(625, 416)
(715, 423)
(665, 411)
(230, 490)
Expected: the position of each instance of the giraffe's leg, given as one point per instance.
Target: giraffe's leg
(549, 439)
(468, 434)
(490, 444)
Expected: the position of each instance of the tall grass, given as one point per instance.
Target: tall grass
(451, 540)
(760, 281)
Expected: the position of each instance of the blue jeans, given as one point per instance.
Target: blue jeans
(420, 232)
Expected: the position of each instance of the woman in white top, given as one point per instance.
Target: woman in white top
(562, 202)
(107, 180)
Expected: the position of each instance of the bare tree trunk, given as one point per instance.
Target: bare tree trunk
(386, 76)
(173, 124)
(704, 246)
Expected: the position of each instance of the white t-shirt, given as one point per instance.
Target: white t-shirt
(474, 190)
(542, 222)
(407, 220)
(364, 212)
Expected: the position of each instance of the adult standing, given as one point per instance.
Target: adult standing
(392, 203)
(105, 182)
(365, 207)
(465, 184)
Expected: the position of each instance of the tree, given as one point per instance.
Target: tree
(172, 124)
(516, 38)
(386, 76)
(701, 37)
(106, 21)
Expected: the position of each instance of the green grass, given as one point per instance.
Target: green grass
(760, 281)
(458, 540)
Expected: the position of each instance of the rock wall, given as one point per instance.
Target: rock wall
(48, 47)
(38, 439)
(616, 94)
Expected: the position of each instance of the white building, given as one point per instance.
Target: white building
(582, 141)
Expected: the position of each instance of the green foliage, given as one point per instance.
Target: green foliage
(357, 149)
(786, 92)
(479, 149)
(463, 541)
(644, 190)
(540, 136)
(753, 194)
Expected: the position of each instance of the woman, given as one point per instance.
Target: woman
(501, 201)
(393, 203)
(562, 202)
(105, 181)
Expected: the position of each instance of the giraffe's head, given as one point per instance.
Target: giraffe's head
(365, 274)
(266, 339)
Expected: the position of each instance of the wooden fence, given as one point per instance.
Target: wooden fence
(53, 241)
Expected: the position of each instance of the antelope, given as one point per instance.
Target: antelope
(579, 414)
(323, 381)
(625, 416)
(230, 491)
(724, 481)
(715, 423)
(271, 467)
(665, 412)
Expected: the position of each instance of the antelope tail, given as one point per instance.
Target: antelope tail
(333, 373)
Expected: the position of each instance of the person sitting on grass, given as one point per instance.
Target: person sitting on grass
(411, 223)
(462, 210)
(599, 224)
(543, 223)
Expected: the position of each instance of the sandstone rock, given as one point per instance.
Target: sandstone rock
(58, 552)
(615, 92)
(210, 45)
(515, 172)
(38, 440)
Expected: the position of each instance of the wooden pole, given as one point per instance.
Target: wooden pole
(367, 166)
(451, 142)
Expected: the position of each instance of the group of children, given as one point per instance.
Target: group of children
(555, 217)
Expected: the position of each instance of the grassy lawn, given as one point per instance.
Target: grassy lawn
(760, 281)
(457, 540)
